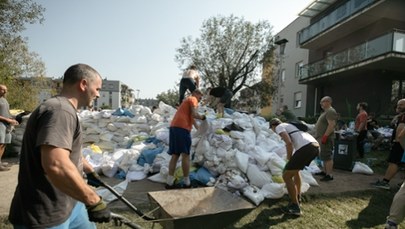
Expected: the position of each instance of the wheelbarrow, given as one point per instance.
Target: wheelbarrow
(195, 208)
(207, 207)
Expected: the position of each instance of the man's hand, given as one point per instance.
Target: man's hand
(99, 212)
(94, 179)
(324, 139)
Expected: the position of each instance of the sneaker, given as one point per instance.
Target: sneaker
(292, 209)
(187, 186)
(327, 178)
(321, 173)
(382, 184)
(390, 225)
(173, 186)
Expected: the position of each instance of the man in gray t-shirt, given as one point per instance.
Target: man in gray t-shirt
(6, 121)
(325, 129)
(51, 191)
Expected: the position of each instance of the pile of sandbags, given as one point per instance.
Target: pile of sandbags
(238, 153)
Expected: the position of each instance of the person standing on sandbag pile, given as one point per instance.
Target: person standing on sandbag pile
(219, 97)
(180, 137)
(306, 149)
(189, 81)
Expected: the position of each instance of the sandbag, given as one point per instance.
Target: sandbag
(360, 167)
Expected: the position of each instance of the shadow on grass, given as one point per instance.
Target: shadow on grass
(269, 217)
(376, 211)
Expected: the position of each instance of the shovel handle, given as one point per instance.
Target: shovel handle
(126, 202)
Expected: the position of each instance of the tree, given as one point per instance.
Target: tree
(230, 53)
(16, 61)
(170, 97)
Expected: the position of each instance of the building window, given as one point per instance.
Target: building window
(282, 49)
(298, 69)
(282, 77)
(297, 100)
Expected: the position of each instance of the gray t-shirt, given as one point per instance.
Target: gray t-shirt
(36, 202)
(322, 123)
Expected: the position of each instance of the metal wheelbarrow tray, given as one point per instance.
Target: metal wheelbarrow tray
(198, 207)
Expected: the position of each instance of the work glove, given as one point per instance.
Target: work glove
(324, 139)
(94, 179)
(99, 212)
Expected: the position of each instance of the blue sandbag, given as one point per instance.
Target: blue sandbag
(202, 175)
(149, 155)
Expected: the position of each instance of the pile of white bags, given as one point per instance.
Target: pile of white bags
(248, 159)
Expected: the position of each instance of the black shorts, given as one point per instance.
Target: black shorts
(396, 153)
(303, 157)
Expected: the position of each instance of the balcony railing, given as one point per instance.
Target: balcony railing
(342, 12)
(391, 42)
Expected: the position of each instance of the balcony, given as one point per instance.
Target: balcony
(379, 49)
(340, 14)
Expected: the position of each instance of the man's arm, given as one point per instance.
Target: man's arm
(331, 127)
(400, 134)
(63, 174)
(10, 121)
(288, 143)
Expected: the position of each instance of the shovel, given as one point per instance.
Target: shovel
(95, 180)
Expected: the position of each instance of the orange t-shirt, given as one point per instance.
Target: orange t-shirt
(361, 118)
(184, 117)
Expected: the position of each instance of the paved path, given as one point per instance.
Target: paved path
(136, 193)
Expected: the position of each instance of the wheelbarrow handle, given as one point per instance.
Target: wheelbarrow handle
(126, 202)
(119, 220)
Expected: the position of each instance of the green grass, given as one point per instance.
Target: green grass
(366, 209)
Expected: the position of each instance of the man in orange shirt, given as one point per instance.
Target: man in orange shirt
(180, 138)
(360, 126)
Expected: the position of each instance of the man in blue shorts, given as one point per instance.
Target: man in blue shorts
(180, 138)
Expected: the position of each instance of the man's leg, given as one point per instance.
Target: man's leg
(185, 165)
(291, 185)
(172, 168)
(2, 149)
(397, 210)
(391, 171)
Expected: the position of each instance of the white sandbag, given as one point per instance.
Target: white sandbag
(108, 196)
(307, 177)
(237, 182)
(135, 175)
(259, 154)
(273, 190)
(257, 177)
(220, 140)
(242, 161)
(106, 136)
(362, 168)
(276, 164)
(158, 177)
(236, 134)
(253, 194)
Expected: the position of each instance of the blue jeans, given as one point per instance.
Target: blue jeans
(78, 219)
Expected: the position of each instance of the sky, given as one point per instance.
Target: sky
(135, 41)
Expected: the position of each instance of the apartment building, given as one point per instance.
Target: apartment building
(291, 59)
(114, 94)
(356, 52)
